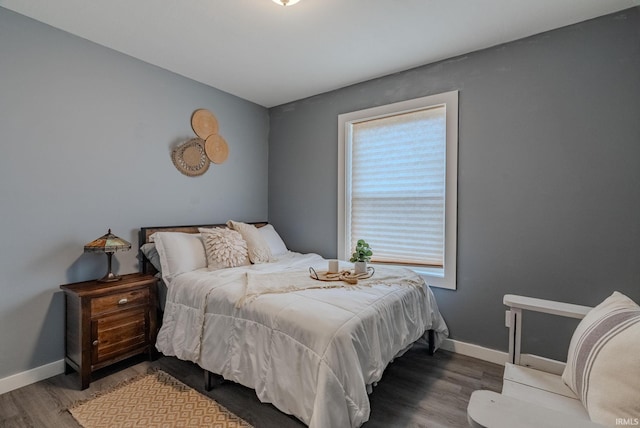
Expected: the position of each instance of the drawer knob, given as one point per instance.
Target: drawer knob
(95, 343)
(122, 301)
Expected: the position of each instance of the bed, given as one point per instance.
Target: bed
(313, 349)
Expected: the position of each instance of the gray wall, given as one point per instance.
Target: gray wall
(549, 172)
(85, 134)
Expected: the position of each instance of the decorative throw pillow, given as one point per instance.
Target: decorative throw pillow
(225, 248)
(603, 363)
(259, 251)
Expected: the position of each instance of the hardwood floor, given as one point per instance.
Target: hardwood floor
(417, 390)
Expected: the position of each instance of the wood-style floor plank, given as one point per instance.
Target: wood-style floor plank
(417, 390)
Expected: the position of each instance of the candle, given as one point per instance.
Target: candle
(333, 266)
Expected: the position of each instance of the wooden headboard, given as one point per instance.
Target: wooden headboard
(146, 232)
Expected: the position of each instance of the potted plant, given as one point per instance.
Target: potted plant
(361, 255)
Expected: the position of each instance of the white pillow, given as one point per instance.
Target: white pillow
(275, 242)
(259, 251)
(224, 248)
(179, 253)
(603, 363)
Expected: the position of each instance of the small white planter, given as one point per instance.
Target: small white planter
(360, 267)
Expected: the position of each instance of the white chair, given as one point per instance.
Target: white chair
(531, 397)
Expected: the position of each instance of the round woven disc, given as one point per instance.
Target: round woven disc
(190, 157)
(216, 148)
(204, 123)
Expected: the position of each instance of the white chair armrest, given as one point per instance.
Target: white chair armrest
(546, 306)
(490, 409)
(517, 304)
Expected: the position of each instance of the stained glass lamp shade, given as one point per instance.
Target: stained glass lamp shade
(108, 244)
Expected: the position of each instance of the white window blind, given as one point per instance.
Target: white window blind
(398, 186)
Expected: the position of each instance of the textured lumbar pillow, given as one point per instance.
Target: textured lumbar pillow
(603, 363)
(259, 251)
(224, 247)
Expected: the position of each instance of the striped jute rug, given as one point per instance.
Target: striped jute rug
(154, 400)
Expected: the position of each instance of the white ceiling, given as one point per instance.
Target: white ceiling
(271, 54)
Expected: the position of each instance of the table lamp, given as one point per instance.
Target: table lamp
(109, 244)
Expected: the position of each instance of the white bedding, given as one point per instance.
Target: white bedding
(311, 353)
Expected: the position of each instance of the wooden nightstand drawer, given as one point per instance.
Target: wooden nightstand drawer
(118, 302)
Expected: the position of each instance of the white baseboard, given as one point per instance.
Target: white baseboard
(475, 351)
(31, 376)
(501, 357)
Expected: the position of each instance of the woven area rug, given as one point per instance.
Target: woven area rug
(154, 400)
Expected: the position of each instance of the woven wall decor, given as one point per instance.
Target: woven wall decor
(204, 123)
(193, 157)
(190, 157)
(216, 148)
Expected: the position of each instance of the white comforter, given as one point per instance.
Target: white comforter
(311, 353)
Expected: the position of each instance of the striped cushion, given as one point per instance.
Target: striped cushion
(603, 363)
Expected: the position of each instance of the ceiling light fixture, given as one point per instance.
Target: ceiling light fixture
(286, 2)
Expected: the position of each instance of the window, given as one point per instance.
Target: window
(398, 184)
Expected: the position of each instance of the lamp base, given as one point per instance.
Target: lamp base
(110, 277)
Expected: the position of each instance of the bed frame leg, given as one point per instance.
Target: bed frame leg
(208, 380)
(432, 341)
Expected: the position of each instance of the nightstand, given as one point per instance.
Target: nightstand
(107, 322)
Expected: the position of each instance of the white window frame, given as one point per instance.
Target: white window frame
(443, 277)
